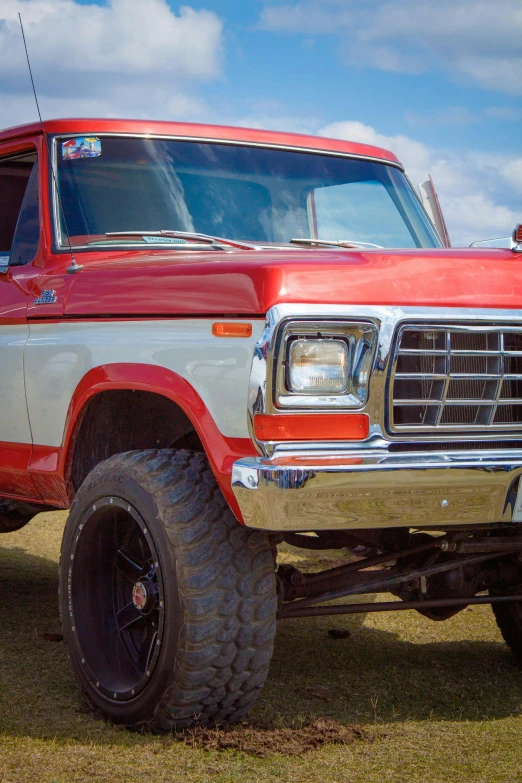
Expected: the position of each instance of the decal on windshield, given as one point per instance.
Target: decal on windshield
(81, 147)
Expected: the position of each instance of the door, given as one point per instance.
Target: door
(19, 247)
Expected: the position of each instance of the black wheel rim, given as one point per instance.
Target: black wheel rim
(116, 599)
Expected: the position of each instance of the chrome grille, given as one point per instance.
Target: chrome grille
(456, 378)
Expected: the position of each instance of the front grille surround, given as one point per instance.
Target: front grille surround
(455, 378)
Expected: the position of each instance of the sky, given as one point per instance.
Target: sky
(438, 83)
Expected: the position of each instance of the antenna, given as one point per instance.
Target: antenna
(74, 267)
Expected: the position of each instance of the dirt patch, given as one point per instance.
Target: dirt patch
(52, 637)
(339, 633)
(265, 742)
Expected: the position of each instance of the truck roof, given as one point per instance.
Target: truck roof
(198, 131)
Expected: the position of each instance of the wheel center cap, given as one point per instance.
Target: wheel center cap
(139, 596)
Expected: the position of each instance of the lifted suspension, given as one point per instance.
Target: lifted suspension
(301, 593)
(396, 606)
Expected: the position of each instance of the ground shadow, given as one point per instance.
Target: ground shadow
(377, 676)
(372, 676)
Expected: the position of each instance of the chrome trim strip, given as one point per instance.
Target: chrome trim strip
(462, 401)
(496, 374)
(387, 319)
(233, 142)
(375, 490)
(355, 334)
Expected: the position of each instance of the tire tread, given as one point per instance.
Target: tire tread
(509, 622)
(226, 583)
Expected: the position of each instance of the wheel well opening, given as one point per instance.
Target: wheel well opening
(125, 420)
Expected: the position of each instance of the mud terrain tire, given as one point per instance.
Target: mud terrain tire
(216, 583)
(509, 620)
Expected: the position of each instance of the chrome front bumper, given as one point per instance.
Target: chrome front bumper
(372, 489)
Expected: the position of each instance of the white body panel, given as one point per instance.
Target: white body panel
(14, 421)
(58, 355)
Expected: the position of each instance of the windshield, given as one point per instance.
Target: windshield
(261, 195)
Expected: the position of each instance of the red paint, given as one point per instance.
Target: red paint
(249, 283)
(76, 127)
(47, 476)
(311, 426)
(45, 458)
(16, 291)
(221, 451)
(42, 473)
(15, 480)
(18, 288)
(167, 283)
(308, 461)
(60, 283)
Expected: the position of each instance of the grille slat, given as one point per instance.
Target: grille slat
(457, 378)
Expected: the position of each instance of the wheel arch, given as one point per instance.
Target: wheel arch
(221, 451)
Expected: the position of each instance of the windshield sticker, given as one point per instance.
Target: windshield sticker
(164, 240)
(81, 147)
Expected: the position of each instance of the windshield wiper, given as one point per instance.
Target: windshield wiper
(190, 239)
(335, 242)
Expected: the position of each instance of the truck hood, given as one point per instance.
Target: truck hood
(250, 282)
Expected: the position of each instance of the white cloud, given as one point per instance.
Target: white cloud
(128, 57)
(475, 39)
(275, 115)
(512, 173)
(506, 113)
(477, 192)
(139, 58)
(413, 154)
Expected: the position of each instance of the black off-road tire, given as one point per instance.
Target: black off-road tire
(509, 620)
(218, 583)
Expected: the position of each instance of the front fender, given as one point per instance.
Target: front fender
(50, 467)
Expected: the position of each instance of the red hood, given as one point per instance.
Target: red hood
(250, 282)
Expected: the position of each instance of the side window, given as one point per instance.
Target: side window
(27, 232)
(19, 208)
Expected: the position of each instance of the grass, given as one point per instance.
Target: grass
(442, 701)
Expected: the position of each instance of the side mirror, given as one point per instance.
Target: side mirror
(514, 242)
(497, 242)
(4, 263)
(430, 202)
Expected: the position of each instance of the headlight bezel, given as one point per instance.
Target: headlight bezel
(360, 337)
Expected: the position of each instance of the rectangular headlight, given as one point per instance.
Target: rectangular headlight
(318, 366)
(324, 364)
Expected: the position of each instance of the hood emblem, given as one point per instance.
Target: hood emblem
(48, 296)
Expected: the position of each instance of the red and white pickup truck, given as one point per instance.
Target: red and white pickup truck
(214, 340)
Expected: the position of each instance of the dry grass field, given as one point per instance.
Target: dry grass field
(434, 701)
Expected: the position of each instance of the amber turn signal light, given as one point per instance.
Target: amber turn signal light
(311, 426)
(225, 329)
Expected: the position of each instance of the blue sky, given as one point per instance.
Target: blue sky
(439, 83)
(312, 75)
